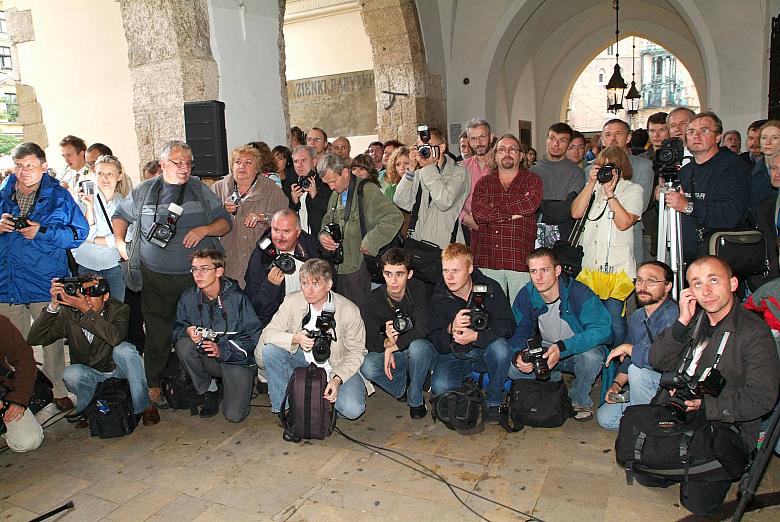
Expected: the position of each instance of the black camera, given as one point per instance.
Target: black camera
(87, 285)
(322, 335)
(337, 256)
(687, 388)
(607, 172)
(533, 354)
(477, 311)
(668, 159)
(285, 262)
(305, 182)
(402, 323)
(161, 233)
(20, 222)
(426, 151)
(207, 334)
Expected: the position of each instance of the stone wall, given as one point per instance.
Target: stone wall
(21, 30)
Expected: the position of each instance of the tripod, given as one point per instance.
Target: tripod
(670, 239)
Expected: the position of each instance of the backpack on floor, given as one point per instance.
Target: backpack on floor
(539, 404)
(110, 414)
(305, 414)
(176, 385)
(462, 409)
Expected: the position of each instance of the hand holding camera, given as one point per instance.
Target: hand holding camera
(321, 335)
(303, 340)
(8, 223)
(425, 154)
(462, 332)
(687, 392)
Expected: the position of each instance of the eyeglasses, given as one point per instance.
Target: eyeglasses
(201, 269)
(183, 164)
(703, 132)
(509, 150)
(580, 147)
(314, 139)
(650, 283)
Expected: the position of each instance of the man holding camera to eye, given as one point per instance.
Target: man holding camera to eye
(82, 311)
(396, 321)
(176, 215)
(439, 184)
(561, 325)
(215, 335)
(309, 195)
(470, 324)
(40, 221)
(317, 325)
(725, 350)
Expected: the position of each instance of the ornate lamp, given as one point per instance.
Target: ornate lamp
(617, 85)
(633, 95)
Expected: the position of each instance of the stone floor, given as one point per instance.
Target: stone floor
(186, 468)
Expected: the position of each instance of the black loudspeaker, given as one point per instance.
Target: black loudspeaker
(204, 124)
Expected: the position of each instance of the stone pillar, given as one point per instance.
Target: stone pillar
(21, 30)
(170, 62)
(399, 66)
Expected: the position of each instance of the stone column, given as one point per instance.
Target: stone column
(399, 66)
(170, 62)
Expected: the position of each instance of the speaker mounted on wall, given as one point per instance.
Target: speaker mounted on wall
(204, 125)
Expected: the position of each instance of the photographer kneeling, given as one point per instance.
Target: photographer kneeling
(733, 356)
(396, 325)
(329, 331)
(95, 326)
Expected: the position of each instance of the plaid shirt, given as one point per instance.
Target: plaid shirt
(503, 243)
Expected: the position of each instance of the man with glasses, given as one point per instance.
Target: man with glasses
(480, 140)
(576, 151)
(177, 214)
(441, 186)
(215, 334)
(319, 140)
(40, 221)
(94, 151)
(652, 285)
(714, 187)
(505, 204)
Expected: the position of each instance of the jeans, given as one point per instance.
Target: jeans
(644, 385)
(116, 281)
(511, 282)
(449, 370)
(418, 360)
(619, 324)
(585, 366)
(279, 366)
(82, 380)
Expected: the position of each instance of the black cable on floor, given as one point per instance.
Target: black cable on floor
(432, 474)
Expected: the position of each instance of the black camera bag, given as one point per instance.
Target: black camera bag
(659, 445)
(176, 385)
(539, 404)
(305, 413)
(462, 409)
(119, 419)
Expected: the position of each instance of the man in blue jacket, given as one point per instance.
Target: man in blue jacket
(40, 221)
(217, 304)
(573, 325)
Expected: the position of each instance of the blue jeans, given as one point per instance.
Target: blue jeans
(116, 281)
(644, 385)
(585, 366)
(418, 360)
(619, 324)
(82, 380)
(449, 370)
(279, 366)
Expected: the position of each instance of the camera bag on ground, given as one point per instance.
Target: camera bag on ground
(659, 445)
(744, 249)
(373, 263)
(462, 409)
(110, 414)
(176, 385)
(305, 414)
(539, 404)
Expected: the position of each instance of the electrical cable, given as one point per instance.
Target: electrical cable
(432, 474)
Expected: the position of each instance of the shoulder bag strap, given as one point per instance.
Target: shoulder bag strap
(361, 214)
(579, 225)
(105, 214)
(415, 210)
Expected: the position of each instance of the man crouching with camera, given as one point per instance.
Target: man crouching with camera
(317, 326)
(730, 369)
(82, 311)
(396, 325)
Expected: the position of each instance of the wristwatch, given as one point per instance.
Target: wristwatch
(688, 208)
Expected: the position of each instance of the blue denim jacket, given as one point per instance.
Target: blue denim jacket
(662, 319)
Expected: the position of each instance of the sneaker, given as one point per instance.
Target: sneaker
(210, 406)
(493, 415)
(583, 413)
(418, 412)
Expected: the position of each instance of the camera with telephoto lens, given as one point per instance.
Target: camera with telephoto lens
(283, 261)
(161, 233)
(20, 222)
(322, 333)
(337, 256)
(426, 151)
(687, 388)
(87, 285)
(305, 182)
(533, 354)
(477, 311)
(668, 159)
(607, 172)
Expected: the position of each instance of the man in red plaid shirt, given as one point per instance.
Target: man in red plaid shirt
(504, 206)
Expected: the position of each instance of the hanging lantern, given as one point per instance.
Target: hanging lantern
(616, 86)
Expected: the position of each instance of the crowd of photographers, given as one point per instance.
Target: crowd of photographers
(295, 258)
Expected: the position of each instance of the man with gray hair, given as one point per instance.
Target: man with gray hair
(309, 195)
(480, 139)
(174, 215)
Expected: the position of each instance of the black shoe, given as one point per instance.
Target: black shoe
(262, 388)
(74, 417)
(418, 412)
(493, 415)
(210, 406)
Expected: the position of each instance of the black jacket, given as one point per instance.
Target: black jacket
(445, 306)
(767, 225)
(264, 295)
(315, 208)
(378, 311)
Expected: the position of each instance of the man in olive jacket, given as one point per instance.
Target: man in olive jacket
(382, 219)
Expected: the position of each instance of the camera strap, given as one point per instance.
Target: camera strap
(416, 215)
(242, 197)
(179, 198)
(201, 296)
(105, 214)
(350, 197)
(34, 200)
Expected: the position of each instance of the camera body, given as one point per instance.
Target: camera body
(20, 222)
(687, 388)
(88, 285)
(533, 354)
(88, 186)
(668, 160)
(425, 150)
(305, 182)
(477, 311)
(161, 233)
(334, 230)
(607, 172)
(234, 198)
(402, 323)
(283, 261)
(322, 333)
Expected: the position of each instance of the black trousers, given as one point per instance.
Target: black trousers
(701, 498)
(355, 286)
